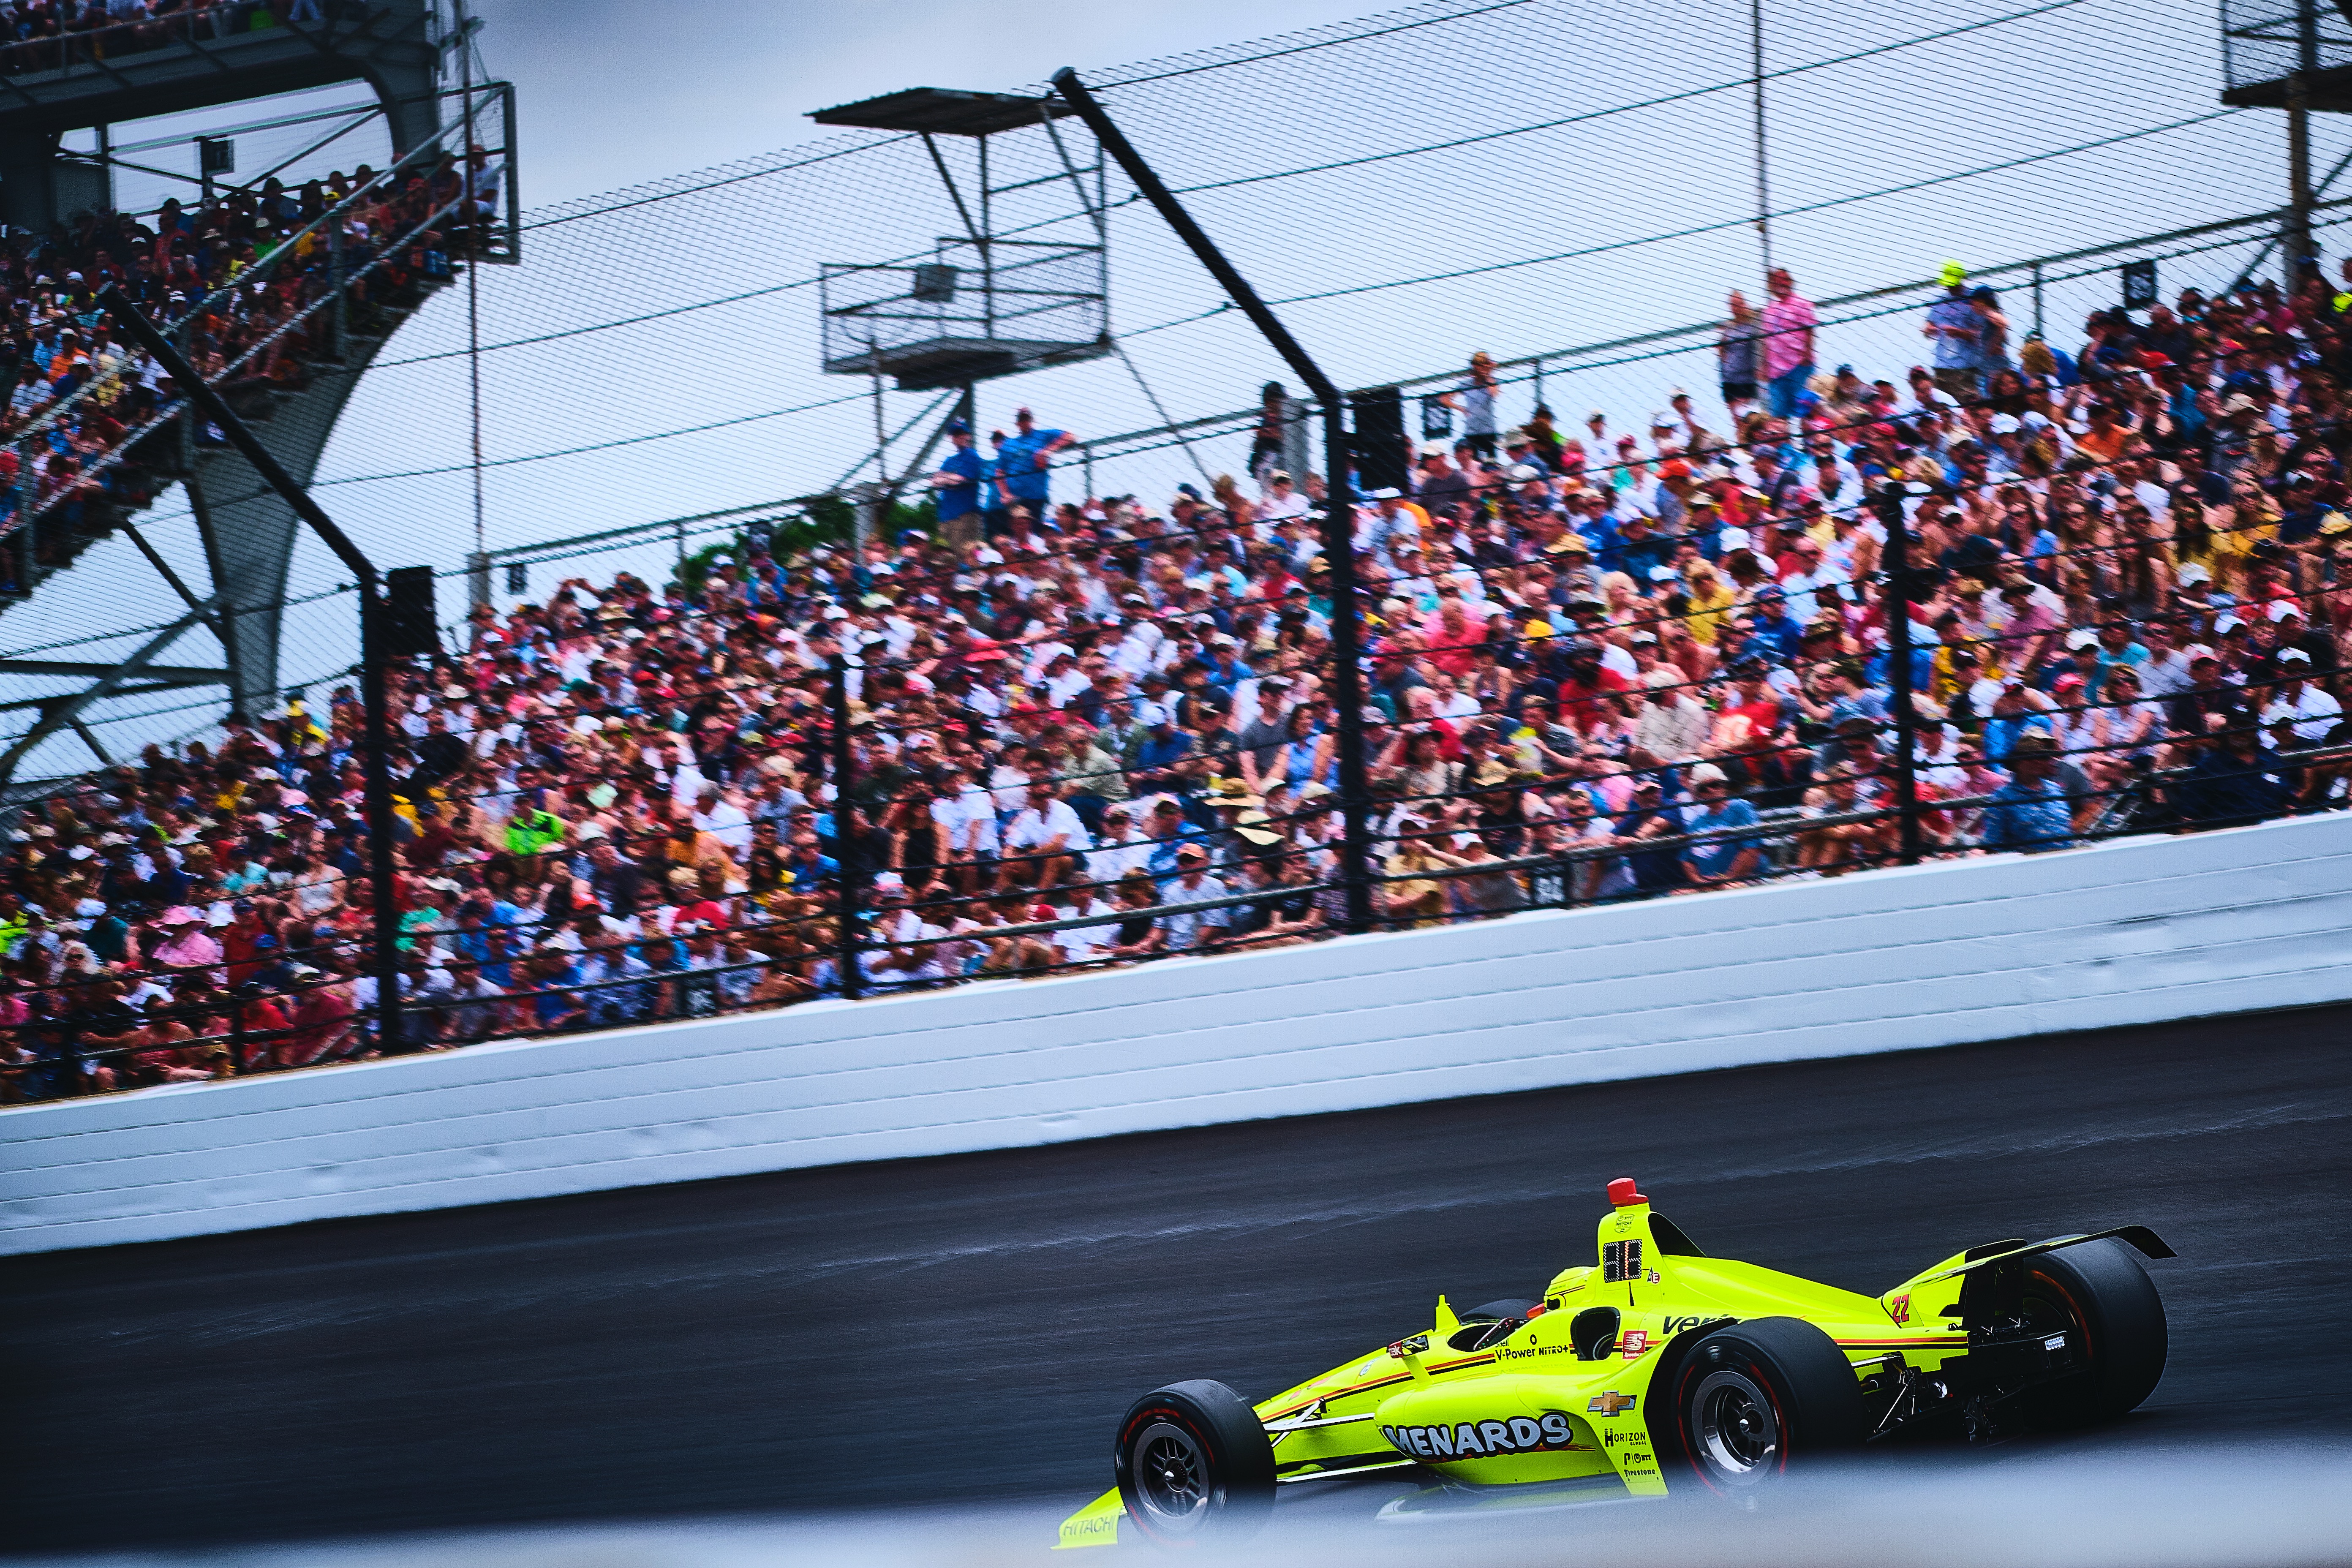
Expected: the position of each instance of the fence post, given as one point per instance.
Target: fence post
(845, 831)
(375, 703)
(342, 323)
(28, 514)
(1347, 670)
(1896, 601)
(20, 539)
(1338, 509)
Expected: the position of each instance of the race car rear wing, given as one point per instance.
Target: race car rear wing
(2149, 1244)
(2139, 1236)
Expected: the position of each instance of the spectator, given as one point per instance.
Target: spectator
(2032, 811)
(1475, 401)
(1731, 857)
(1190, 929)
(1739, 360)
(1788, 322)
(1025, 464)
(1955, 333)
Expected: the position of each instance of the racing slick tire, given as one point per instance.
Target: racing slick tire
(1750, 1398)
(2099, 1290)
(1195, 1467)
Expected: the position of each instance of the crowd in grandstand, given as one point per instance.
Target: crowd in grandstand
(241, 275)
(1088, 731)
(45, 34)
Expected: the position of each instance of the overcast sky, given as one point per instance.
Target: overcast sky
(620, 93)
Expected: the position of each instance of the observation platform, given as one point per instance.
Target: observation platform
(936, 362)
(982, 306)
(2273, 50)
(2326, 92)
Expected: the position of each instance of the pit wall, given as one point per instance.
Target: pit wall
(2138, 932)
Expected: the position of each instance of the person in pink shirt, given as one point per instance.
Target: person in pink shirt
(186, 946)
(2032, 629)
(1789, 323)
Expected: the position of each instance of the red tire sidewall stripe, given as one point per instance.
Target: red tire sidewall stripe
(1692, 1366)
(1126, 1434)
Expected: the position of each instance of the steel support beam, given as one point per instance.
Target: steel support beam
(170, 674)
(63, 710)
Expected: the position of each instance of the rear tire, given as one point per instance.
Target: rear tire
(1195, 1467)
(2100, 1290)
(1750, 1398)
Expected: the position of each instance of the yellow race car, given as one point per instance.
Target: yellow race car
(1654, 1367)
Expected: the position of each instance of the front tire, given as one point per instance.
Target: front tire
(1750, 1398)
(1195, 1467)
(2099, 1290)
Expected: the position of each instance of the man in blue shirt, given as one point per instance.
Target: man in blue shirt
(2032, 811)
(1027, 462)
(957, 483)
(1773, 632)
(1957, 331)
(1159, 750)
(1718, 862)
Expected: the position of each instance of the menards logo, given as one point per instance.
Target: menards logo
(1478, 1439)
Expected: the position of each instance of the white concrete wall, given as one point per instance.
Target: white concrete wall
(2131, 932)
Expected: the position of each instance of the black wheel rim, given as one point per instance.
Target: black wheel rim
(1737, 1427)
(1172, 1481)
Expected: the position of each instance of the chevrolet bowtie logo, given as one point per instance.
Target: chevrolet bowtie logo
(1609, 1403)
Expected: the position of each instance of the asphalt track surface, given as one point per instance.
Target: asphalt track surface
(968, 1328)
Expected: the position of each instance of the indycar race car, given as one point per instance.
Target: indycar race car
(1655, 1368)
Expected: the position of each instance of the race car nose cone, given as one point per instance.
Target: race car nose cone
(1623, 1192)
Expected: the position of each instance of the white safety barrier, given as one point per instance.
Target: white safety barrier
(2132, 933)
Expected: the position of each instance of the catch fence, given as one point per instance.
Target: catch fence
(1403, 188)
